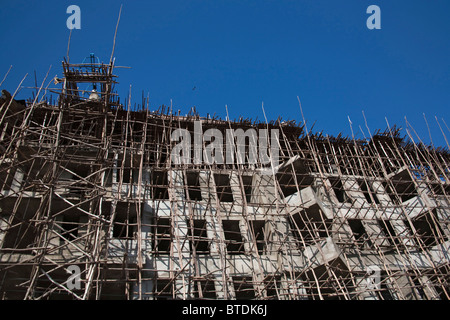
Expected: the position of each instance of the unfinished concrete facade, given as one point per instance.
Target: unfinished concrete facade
(89, 186)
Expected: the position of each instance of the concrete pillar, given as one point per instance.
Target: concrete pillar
(82, 230)
(148, 273)
(56, 240)
(375, 233)
(404, 285)
(246, 236)
(206, 186)
(224, 289)
(402, 232)
(3, 228)
(353, 190)
(115, 174)
(263, 189)
(428, 288)
(442, 216)
(294, 288)
(282, 235)
(383, 197)
(341, 230)
(146, 176)
(390, 285)
(278, 229)
(251, 249)
(147, 282)
(17, 181)
(181, 250)
(216, 235)
(146, 228)
(235, 184)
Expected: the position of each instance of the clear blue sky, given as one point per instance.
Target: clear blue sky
(243, 53)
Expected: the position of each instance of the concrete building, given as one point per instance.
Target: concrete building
(92, 206)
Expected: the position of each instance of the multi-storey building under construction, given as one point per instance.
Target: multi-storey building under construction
(92, 206)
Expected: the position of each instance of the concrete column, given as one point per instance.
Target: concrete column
(264, 191)
(147, 283)
(283, 236)
(251, 248)
(215, 233)
(278, 229)
(236, 188)
(148, 275)
(442, 216)
(181, 251)
(82, 229)
(3, 228)
(207, 186)
(428, 288)
(146, 228)
(381, 194)
(296, 291)
(404, 285)
(341, 230)
(145, 192)
(224, 289)
(246, 235)
(353, 190)
(390, 285)
(375, 233)
(402, 232)
(17, 181)
(56, 240)
(114, 172)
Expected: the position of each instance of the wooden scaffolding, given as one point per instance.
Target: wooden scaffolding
(92, 206)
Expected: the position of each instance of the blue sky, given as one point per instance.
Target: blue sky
(244, 53)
